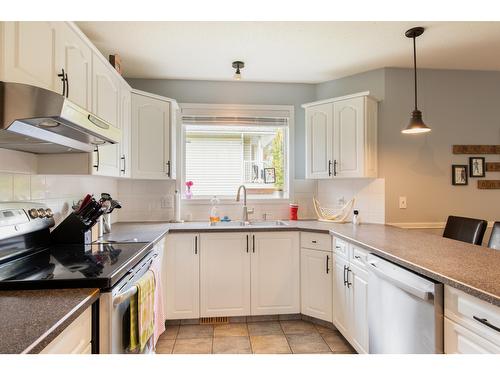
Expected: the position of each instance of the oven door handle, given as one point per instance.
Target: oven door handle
(122, 297)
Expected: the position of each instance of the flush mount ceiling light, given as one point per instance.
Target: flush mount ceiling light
(416, 124)
(238, 65)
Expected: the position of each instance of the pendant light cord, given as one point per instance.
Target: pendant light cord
(415, 70)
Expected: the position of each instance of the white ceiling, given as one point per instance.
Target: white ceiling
(308, 52)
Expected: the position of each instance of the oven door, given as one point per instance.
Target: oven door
(114, 312)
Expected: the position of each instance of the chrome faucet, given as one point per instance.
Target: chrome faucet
(246, 211)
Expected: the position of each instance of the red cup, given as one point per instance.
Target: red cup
(294, 208)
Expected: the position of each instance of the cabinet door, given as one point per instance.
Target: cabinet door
(348, 137)
(182, 272)
(29, 54)
(358, 326)
(341, 297)
(106, 104)
(319, 132)
(75, 57)
(224, 275)
(275, 273)
(316, 284)
(460, 340)
(126, 126)
(150, 137)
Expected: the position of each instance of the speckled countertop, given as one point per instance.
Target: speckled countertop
(471, 268)
(31, 319)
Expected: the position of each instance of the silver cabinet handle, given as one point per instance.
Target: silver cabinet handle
(96, 165)
(335, 167)
(168, 168)
(124, 165)
(327, 264)
(196, 245)
(347, 277)
(329, 167)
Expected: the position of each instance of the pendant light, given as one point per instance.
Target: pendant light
(416, 124)
(238, 65)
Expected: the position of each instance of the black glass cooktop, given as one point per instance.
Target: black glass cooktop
(71, 266)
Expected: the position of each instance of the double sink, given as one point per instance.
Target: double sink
(258, 224)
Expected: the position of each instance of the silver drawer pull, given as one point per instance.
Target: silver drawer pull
(486, 323)
(357, 257)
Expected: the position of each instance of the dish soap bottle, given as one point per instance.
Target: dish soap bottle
(355, 218)
(214, 214)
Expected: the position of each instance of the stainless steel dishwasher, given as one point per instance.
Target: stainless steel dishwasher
(405, 310)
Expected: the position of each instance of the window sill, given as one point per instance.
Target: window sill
(228, 201)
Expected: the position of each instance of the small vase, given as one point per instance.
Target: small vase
(189, 194)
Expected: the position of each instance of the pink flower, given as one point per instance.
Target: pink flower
(189, 183)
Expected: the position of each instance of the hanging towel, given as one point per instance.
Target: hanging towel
(158, 305)
(142, 313)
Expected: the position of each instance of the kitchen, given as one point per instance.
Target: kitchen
(234, 204)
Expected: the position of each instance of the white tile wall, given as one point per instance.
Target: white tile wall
(369, 196)
(58, 192)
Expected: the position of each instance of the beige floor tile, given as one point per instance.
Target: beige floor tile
(195, 331)
(337, 343)
(298, 327)
(232, 345)
(323, 329)
(164, 346)
(272, 344)
(231, 329)
(264, 329)
(170, 333)
(311, 343)
(193, 346)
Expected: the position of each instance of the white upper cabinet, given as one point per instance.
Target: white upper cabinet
(341, 137)
(275, 270)
(224, 274)
(74, 57)
(126, 127)
(319, 135)
(152, 154)
(29, 54)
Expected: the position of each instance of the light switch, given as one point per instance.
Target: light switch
(402, 202)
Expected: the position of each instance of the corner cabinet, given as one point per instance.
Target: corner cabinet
(341, 137)
(153, 147)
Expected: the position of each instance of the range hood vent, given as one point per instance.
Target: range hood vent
(41, 121)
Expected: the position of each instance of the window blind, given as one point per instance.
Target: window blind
(235, 121)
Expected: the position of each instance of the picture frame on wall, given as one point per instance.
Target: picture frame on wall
(477, 166)
(269, 175)
(459, 175)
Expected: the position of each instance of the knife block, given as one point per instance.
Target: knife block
(72, 231)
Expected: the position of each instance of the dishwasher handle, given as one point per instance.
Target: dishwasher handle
(417, 292)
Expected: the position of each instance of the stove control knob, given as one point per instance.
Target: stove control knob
(48, 213)
(33, 213)
(41, 213)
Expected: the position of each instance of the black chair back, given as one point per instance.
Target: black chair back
(465, 229)
(494, 241)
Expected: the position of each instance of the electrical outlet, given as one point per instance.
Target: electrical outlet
(402, 202)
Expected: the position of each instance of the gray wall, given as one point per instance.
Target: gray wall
(230, 92)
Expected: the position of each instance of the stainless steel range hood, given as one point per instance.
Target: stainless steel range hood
(40, 121)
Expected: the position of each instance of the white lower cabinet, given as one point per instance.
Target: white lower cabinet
(75, 339)
(181, 259)
(350, 299)
(224, 274)
(275, 273)
(460, 340)
(316, 278)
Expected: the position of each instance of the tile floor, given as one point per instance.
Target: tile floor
(271, 337)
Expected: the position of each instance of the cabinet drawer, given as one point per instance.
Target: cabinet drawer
(75, 339)
(341, 248)
(358, 256)
(460, 340)
(478, 316)
(316, 241)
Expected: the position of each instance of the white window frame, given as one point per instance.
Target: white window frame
(237, 110)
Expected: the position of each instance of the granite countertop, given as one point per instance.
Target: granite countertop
(471, 268)
(31, 319)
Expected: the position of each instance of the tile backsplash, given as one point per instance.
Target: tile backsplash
(57, 192)
(369, 196)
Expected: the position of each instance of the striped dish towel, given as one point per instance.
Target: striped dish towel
(142, 313)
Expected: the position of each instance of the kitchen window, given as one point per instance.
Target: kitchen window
(223, 152)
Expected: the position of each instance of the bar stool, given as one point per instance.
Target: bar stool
(465, 229)
(494, 241)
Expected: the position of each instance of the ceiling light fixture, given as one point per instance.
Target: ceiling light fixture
(416, 124)
(238, 65)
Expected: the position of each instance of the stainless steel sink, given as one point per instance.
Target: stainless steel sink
(264, 223)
